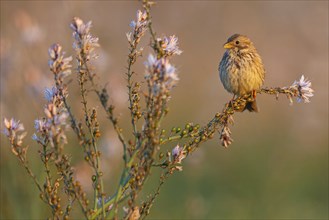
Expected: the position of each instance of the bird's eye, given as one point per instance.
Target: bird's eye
(237, 42)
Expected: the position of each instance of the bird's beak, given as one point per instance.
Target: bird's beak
(228, 45)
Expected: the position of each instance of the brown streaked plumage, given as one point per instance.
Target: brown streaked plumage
(241, 69)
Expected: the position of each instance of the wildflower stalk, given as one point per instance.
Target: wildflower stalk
(150, 104)
(103, 97)
(222, 118)
(133, 103)
(138, 29)
(156, 101)
(118, 196)
(59, 86)
(45, 161)
(146, 207)
(147, 7)
(160, 79)
(84, 45)
(98, 192)
(61, 68)
(25, 164)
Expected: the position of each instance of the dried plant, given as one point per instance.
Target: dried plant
(144, 150)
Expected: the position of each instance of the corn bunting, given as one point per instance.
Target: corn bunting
(241, 69)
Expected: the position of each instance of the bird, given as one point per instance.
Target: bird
(241, 69)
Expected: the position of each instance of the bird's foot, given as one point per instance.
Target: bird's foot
(254, 93)
(231, 103)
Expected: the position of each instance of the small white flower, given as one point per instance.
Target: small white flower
(141, 16)
(303, 86)
(91, 42)
(170, 45)
(38, 139)
(170, 71)
(79, 27)
(61, 118)
(175, 151)
(84, 41)
(12, 125)
(161, 74)
(54, 50)
(178, 154)
(133, 24)
(225, 137)
(35, 137)
(168, 74)
(41, 125)
(139, 27)
(129, 36)
(50, 93)
(20, 137)
(38, 124)
(57, 63)
(151, 60)
(66, 62)
(140, 22)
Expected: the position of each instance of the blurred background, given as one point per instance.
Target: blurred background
(277, 167)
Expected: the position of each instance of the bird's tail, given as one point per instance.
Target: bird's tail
(251, 106)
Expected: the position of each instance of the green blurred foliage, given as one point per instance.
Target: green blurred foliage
(277, 167)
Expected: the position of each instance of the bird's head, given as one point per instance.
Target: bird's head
(238, 42)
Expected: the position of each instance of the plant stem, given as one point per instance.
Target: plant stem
(96, 166)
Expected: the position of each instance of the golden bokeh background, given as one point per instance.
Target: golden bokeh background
(277, 166)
